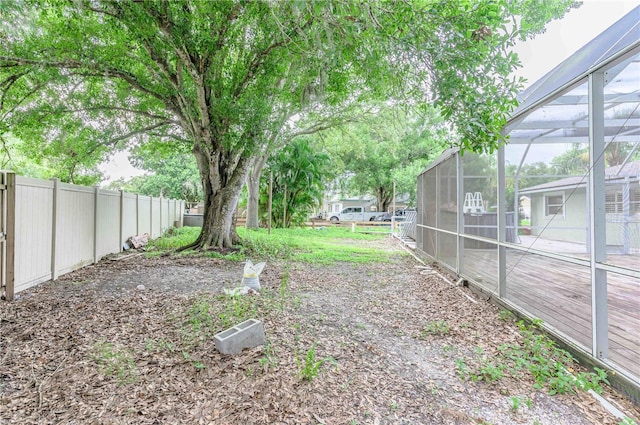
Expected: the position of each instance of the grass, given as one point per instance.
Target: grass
(115, 361)
(309, 366)
(319, 246)
(326, 245)
(210, 314)
(550, 366)
(174, 238)
(206, 315)
(437, 327)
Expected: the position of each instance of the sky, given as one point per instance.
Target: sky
(538, 56)
(567, 35)
(118, 167)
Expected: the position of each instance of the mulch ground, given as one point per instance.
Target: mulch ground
(96, 347)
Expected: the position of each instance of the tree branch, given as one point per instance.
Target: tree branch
(6, 84)
(26, 96)
(258, 60)
(191, 61)
(139, 131)
(171, 136)
(116, 108)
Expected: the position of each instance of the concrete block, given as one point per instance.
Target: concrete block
(247, 334)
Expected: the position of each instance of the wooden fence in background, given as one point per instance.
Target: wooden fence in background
(49, 228)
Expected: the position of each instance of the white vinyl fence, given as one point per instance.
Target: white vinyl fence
(49, 228)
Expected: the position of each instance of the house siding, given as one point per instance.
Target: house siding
(571, 226)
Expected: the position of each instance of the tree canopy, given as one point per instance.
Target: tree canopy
(92, 75)
(390, 147)
(298, 177)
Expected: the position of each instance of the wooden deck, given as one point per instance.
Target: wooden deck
(559, 293)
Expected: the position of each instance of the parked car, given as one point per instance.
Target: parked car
(387, 216)
(352, 214)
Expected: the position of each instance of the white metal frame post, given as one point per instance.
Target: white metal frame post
(626, 214)
(597, 217)
(436, 200)
(460, 209)
(502, 220)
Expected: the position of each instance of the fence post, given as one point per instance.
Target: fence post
(160, 215)
(121, 241)
(96, 194)
(137, 214)
(54, 228)
(175, 214)
(151, 217)
(9, 236)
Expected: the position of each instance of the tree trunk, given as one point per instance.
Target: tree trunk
(222, 173)
(253, 189)
(383, 199)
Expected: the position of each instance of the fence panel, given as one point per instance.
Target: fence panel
(144, 215)
(156, 227)
(171, 212)
(408, 227)
(75, 227)
(50, 228)
(129, 216)
(33, 232)
(165, 214)
(108, 223)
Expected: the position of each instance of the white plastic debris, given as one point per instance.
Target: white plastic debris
(240, 290)
(251, 274)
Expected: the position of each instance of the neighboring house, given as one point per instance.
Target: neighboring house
(559, 208)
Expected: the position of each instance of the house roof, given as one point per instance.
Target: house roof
(360, 199)
(630, 169)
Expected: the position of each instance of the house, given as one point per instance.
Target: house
(559, 208)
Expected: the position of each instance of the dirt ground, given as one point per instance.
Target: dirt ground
(95, 347)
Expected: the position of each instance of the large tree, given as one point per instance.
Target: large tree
(214, 73)
(388, 149)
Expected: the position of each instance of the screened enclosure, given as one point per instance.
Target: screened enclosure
(550, 223)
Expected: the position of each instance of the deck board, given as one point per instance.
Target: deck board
(559, 293)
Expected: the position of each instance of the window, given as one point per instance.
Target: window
(554, 205)
(613, 202)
